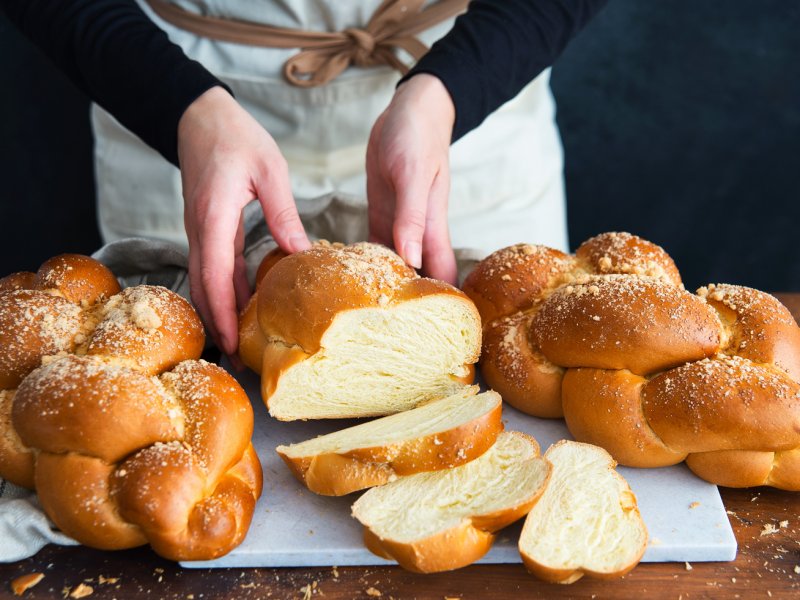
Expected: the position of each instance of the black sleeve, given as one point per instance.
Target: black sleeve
(116, 55)
(497, 47)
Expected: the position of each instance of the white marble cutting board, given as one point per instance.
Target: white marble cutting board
(293, 527)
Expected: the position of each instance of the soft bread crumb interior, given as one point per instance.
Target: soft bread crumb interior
(587, 516)
(378, 361)
(434, 417)
(418, 506)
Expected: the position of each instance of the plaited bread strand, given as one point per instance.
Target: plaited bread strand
(611, 345)
(127, 438)
(735, 416)
(511, 286)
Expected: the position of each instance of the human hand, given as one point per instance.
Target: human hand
(226, 160)
(408, 176)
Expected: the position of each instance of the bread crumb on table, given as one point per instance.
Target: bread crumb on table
(81, 591)
(689, 567)
(768, 529)
(373, 592)
(25, 582)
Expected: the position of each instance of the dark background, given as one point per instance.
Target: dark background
(680, 120)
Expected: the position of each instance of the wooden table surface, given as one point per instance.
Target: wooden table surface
(766, 523)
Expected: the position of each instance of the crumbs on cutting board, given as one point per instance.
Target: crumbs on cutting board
(25, 582)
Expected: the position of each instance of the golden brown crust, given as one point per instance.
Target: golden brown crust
(251, 339)
(55, 402)
(624, 322)
(77, 278)
(717, 371)
(748, 468)
(149, 325)
(513, 366)
(16, 460)
(785, 472)
(113, 417)
(732, 468)
(75, 493)
(758, 326)
(337, 474)
(460, 545)
(451, 549)
(512, 279)
(270, 259)
(628, 503)
(727, 403)
(34, 324)
(324, 281)
(301, 295)
(623, 253)
(23, 280)
(539, 283)
(604, 408)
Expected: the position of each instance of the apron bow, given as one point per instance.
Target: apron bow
(324, 55)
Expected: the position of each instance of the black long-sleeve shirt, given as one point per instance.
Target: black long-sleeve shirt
(114, 53)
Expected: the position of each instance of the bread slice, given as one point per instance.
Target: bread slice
(439, 435)
(586, 522)
(444, 520)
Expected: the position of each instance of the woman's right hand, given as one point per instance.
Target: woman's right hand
(227, 159)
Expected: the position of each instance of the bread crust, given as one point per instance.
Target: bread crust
(627, 500)
(726, 403)
(510, 280)
(653, 373)
(513, 366)
(337, 474)
(624, 322)
(301, 296)
(610, 415)
(461, 544)
(126, 436)
(518, 284)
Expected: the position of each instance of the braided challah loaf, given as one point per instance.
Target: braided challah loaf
(106, 411)
(351, 331)
(610, 340)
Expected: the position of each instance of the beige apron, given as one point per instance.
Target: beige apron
(507, 183)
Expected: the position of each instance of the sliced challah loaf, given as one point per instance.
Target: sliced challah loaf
(127, 438)
(438, 435)
(586, 522)
(444, 520)
(351, 331)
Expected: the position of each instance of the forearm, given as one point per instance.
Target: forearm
(497, 47)
(113, 52)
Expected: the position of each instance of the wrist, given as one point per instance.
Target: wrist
(200, 114)
(427, 93)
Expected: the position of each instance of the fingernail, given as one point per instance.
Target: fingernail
(413, 254)
(299, 242)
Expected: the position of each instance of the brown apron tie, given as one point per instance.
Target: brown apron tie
(324, 55)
